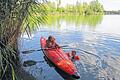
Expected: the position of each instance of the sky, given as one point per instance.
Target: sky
(108, 4)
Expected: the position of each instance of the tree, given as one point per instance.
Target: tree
(58, 4)
(96, 7)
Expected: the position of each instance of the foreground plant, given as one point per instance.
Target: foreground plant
(15, 17)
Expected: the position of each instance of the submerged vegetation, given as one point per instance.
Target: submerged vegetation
(93, 8)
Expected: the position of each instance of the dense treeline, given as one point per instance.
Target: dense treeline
(93, 8)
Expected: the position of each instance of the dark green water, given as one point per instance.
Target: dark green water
(99, 35)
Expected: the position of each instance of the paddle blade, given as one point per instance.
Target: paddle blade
(30, 51)
(31, 63)
(27, 52)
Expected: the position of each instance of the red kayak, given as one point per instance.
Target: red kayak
(60, 59)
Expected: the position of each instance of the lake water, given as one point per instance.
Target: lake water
(95, 38)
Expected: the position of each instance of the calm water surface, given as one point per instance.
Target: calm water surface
(99, 36)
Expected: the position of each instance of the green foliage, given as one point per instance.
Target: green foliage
(37, 15)
(93, 8)
(96, 7)
(79, 8)
(16, 16)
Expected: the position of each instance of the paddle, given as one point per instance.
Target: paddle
(31, 63)
(83, 51)
(31, 51)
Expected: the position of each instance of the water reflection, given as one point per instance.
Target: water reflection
(91, 20)
(64, 21)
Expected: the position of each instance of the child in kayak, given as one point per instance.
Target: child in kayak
(51, 43)
(72, 55)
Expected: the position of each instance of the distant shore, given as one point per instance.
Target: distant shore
(112, 12)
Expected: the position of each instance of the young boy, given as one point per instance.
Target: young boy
(72, 55)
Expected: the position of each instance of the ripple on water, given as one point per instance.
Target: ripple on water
(91, 67)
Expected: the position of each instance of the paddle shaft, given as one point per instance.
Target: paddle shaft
(30, 51)
(83, 51)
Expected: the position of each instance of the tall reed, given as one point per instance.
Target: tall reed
(15, 18)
